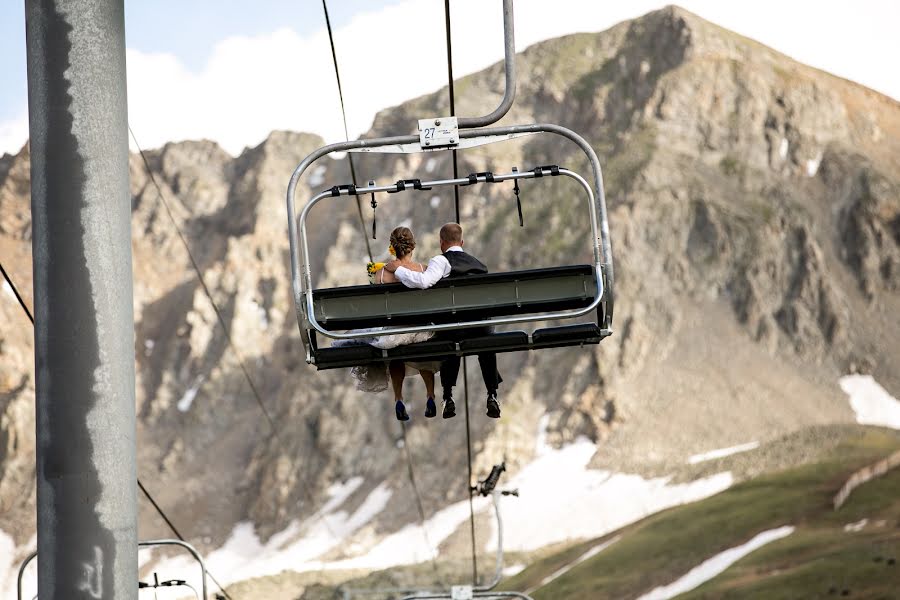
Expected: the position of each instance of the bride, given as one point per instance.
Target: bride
(373, 377)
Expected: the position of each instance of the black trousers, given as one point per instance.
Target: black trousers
(486, 360)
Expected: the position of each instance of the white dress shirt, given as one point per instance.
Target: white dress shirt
(438, 268)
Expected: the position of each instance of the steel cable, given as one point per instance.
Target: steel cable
(143, 489)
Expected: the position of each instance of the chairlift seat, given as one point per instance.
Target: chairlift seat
(458, 300)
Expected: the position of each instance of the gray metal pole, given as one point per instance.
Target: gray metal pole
(84, 340)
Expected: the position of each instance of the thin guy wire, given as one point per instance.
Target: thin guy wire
(337, 75)
(412, 481)
(203, 284)
(412, 477)
(221, 319)
(16, 292)
(156, 506)
(469, 483)
(452, 100)
(177, 533)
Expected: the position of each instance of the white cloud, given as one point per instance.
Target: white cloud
(281, 80)
(14, 133)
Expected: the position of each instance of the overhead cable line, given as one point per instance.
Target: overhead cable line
(16, 293)
(143, 489)
(469, 486)
(412, 480)
(452, 100)
(337, 75)
(452, 94)
(221, 320)
(177, 533)
(203, 284)
(410, 469)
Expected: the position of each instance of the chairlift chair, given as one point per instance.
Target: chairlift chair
(580, 292)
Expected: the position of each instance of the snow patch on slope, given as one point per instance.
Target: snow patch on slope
(812, 165)
(589, 554)
(8, 570)
(244, 556)
(9, 291)
(560, 498)
(722, 452)
(187, 399)
(715, 565)
(872, 403)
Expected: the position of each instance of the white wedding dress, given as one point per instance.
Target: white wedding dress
(374, 377)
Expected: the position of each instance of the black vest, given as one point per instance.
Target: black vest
(464, 264)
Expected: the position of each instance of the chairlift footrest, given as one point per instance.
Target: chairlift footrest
(505, 341)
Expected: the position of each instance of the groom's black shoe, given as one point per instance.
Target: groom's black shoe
(449, 408)
(493, 406)
(430, 408)
(400, 409)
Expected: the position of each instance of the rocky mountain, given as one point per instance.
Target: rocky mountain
(755, 215)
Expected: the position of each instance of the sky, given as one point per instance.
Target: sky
(233, 71)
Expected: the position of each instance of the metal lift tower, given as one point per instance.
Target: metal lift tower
(84, 322)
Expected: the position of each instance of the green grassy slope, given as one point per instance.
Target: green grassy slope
(817, 558)
(822, 559)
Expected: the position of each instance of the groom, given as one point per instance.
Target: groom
(454, 262)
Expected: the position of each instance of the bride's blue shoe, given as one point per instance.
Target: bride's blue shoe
(430, 408)
(400, 409)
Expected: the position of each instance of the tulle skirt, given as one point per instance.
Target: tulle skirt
(374, 377)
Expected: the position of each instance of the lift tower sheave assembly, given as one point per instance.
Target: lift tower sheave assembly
(84, 321)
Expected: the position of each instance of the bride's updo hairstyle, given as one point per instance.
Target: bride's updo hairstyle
(403, 241)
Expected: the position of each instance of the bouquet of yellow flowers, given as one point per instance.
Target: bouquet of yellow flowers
(372, 268)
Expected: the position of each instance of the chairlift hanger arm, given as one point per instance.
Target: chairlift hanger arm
(509, 93)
